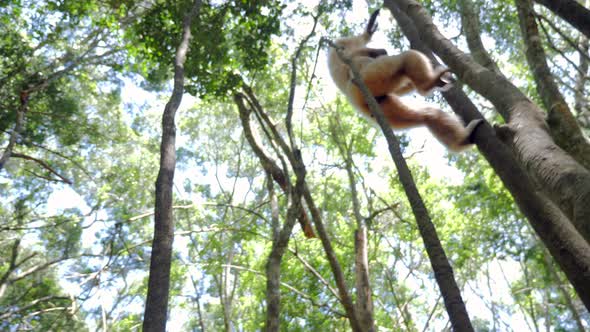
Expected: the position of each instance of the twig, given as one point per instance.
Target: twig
(42, 164)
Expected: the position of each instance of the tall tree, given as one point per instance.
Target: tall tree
(156, 307)
(566, 244)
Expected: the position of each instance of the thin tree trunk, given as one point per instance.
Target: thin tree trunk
(273, 270)
(226, 294)
(443, 272)
(198, 302)
(296, 163)
(279, 245)
(565, 244)
(364, 301)
(156, 308)
(280, 237)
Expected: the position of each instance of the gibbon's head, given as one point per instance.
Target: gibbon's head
(363, 39)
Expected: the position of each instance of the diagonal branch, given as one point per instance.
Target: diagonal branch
(42, 164)
(443, 272)
(572, 12)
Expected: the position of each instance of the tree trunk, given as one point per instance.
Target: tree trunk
(273, 272)
(156, 307)
(364, 301)
(280, 237)
(564, 180)
(273, 264)
(572, 12)
(581, 105)
(561, 121)
(565, 244)
(18, 127)
(294, 158)
(226, 292)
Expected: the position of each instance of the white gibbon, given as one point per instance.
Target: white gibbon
(388, 77)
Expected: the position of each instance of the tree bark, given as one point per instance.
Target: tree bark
(471, 25)
(225, 294)
(565, 244)
(561, 121)
(268, 164)
(156, 308)
(572, 12)
(564, 180)
(273, 267)
(364, 300)
(581, 103)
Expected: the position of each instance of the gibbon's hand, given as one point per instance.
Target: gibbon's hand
(372, 26)
(376, 52)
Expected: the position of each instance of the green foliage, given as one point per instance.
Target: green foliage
(489, 210)
(79, 124)
(38, 302)
(227, 38)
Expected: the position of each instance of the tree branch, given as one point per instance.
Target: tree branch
(441, 267)
(42, 164)
(572, 12)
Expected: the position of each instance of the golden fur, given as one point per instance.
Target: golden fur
(388, 77)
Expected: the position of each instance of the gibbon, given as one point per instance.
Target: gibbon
(388, 77)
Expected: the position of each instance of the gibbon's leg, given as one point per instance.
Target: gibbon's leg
(450, 131)
(420, 71)
(398, 114)
(389, 74)
(445, 127)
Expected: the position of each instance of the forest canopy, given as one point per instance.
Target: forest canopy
(191, 166)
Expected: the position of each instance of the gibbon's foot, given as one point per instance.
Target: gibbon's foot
(441, 79)
(471, 130)
(445, 80)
